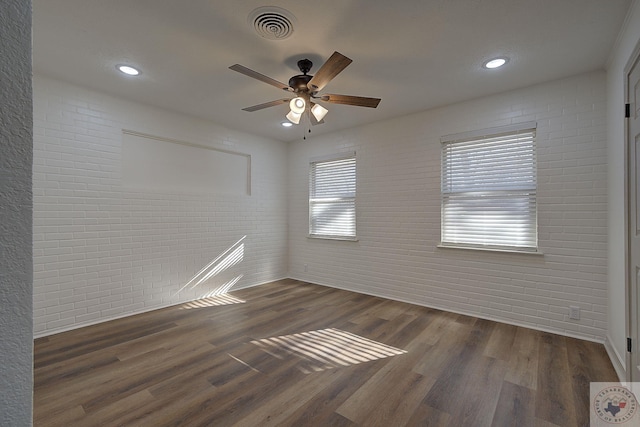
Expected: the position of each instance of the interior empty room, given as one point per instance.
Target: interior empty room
(359, 213)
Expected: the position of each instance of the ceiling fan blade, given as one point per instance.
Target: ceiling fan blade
(358, 101)
(267, 105)
(334, 65)
(256, 75)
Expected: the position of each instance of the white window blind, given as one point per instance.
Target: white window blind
(332, 198)
(489, 191)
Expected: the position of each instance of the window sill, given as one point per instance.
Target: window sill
(490, 249)
(344, 238)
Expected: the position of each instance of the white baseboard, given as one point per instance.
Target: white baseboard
(465, 313)
(617, 361)
(131, 313)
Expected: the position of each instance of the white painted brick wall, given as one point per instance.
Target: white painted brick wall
(398, 213)
(101, 251)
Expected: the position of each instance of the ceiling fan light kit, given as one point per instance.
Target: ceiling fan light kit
(298, 105)
(306, 88)
(318, 111)
(294, 117)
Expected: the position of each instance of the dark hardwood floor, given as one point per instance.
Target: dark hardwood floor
(294, 354)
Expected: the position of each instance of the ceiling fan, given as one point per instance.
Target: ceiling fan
(306, 89)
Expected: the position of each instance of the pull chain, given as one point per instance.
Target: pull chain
(304, 137)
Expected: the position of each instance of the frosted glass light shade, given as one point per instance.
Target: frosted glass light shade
(319, 111)
(294, 117)
(297, 105)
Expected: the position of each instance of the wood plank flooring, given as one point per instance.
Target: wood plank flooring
(294, 354)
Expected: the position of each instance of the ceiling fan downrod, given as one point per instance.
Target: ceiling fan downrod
(305, 66)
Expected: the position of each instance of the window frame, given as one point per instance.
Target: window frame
(521, 192)
(314, 232)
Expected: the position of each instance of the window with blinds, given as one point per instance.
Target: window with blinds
(489, 189)
(332, 198)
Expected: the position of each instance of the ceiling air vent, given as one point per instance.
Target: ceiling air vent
(272, 22)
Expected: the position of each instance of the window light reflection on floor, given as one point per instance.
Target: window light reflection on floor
(327, 348)
(221, 299)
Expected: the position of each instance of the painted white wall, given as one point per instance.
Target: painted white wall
(16, 277)
(398, 213)
(102, 250)
(87, 226)
(627, 40)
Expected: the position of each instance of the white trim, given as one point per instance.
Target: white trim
(623, 29)
(342, 158)
(328, 237)
(605, 342)
(532, 251)
(481, 133)
(335, 156)
(617, 361)
(133, 313)
(487, 175)
(464, 313)
(191, 144)
(630, 306)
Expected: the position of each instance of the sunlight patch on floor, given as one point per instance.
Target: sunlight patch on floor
(221, 299)
(326, 349)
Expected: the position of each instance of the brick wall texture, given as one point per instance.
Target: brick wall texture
(398, 213)
(102, 251)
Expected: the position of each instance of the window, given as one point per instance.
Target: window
(488, 189)
(332, 197)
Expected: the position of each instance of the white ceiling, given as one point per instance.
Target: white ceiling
(415, 55)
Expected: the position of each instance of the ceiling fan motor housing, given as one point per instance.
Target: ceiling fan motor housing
(299, 83)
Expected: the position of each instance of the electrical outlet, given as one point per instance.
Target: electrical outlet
(306, 267)
(574, 312)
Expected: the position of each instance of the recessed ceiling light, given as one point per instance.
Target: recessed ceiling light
(287, 124)
(128, 69)
(495, 63)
